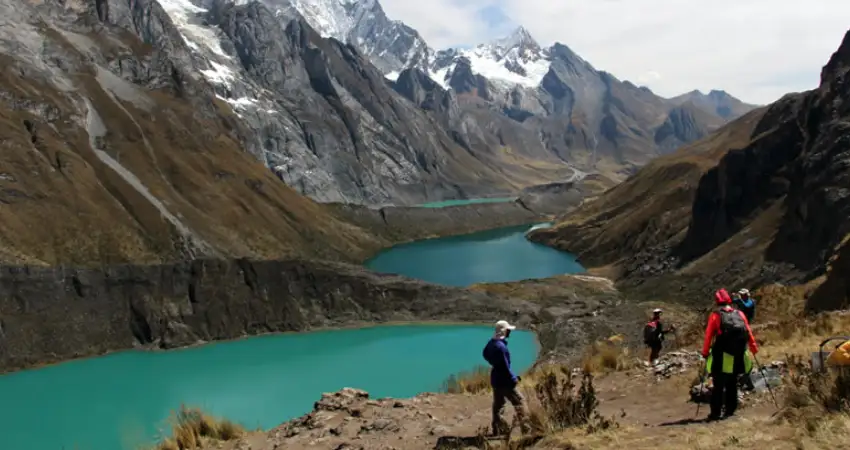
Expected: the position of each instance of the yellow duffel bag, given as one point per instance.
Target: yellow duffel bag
(841, 355)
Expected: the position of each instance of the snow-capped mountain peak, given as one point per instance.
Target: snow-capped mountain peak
(520, 39)
(516, 59)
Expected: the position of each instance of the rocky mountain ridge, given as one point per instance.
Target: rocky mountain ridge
(350, 138)
(763, 200)
(520, 79)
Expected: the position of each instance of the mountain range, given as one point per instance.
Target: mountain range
(149, 131)
(345, 104)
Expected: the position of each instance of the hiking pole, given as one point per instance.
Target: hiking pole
(766, 381)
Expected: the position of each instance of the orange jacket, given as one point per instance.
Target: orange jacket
(713, 329)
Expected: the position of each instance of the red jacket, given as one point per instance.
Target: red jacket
(713, 329)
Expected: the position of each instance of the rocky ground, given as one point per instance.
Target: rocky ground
(639, 399)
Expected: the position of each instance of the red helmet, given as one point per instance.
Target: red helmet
(722, 297)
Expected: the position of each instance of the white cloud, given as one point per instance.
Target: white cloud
(443, 23)
(757, 50)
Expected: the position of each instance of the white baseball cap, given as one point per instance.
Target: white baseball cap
(744, 292)
(656, 310)
(503, 325)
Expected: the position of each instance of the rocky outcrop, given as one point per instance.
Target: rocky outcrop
(351, 420)
(54, 314)
(400, 224)
(561, 198)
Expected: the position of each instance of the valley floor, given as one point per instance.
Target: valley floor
(650, 405)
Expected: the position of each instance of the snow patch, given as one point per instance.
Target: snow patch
(483, 63)
(328, 17)
(182, 12)
(242, 102)
(218, 74)
(392, 76)
(441, 76)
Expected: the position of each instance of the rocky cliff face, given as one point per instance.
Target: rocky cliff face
(800, 165)
(763, 200)
(52, 314)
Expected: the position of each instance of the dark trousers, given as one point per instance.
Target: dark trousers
(725, 391)
(654, 351)
(502, 395)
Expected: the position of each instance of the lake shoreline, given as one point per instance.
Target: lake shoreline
(257, 382)
(350, 326)
(57, 314)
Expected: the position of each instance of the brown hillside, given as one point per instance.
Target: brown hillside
(764, 199)
(650, 207)
(98, 169)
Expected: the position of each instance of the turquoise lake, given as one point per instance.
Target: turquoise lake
(122, 401)
(491, 256)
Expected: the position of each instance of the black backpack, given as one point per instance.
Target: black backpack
(650, 333)
(733, 337)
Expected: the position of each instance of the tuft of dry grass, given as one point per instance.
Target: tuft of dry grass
(475, 381)
(817, 404)
(558, 403)
(555, 404)
(191, 427)
(800, 336)
(607, 356)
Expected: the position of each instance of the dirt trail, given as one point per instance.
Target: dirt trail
(647, 410)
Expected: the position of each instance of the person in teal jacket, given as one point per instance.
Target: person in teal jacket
(746, 304)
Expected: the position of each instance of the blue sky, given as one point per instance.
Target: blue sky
(757, 50)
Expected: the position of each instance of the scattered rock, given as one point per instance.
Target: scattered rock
(340, 400)
(439, 430)
(381, 424)
(672, 363)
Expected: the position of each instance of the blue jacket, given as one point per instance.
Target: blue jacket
(497, 354)
(748, 307)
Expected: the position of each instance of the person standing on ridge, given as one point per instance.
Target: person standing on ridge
(746, 304)
(653, 335)
(731, 333)
(503, 380)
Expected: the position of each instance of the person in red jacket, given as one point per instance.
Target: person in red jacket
(730, 332)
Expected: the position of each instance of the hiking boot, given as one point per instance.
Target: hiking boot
(713, 418)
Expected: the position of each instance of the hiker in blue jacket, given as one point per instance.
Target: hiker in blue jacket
(503, 380)
(746, 304)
